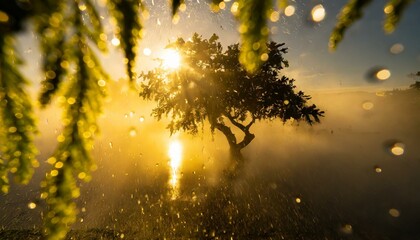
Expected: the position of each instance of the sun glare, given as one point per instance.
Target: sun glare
(171, 59)
(175, 155)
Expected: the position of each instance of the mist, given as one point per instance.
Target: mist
(340, 178)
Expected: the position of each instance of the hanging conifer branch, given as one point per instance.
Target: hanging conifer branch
(129, 28)
(393, 12)
(84, 89)
(253, 17)
(17, 125)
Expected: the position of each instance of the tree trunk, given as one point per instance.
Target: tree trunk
(236, 163)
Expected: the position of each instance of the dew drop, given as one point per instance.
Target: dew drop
(298, 200)
(111, 145)
(141, 119)
(377, 169)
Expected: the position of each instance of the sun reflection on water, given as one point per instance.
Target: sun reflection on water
(175, 155)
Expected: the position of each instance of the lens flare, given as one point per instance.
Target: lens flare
(171, 59)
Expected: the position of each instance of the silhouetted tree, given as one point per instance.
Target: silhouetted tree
(212, 86)
(415, 85)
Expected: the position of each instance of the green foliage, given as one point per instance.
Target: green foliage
(393, 12)
(17, 125)
(213, 86)
(83, 91)
(129, 30)
(353, 11)
(253, 17)
(175, 5)
(350, 13)
(51, 23)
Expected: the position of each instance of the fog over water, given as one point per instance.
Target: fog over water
(337, 178)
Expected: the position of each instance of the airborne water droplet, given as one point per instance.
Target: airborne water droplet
(397, 48)
(31, 205)
(394, 212)
(398, 149)
(347, 229)
(383, 74)
(132, 131)
(368, 105)
(378, 74)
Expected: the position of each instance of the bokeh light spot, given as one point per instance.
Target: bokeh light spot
(398, 149)
(147, 51)
(31, 205)
(347, 229)
(132, 132)
(289, 10)
(397, 48)
(383, 74)
(368, 105)
(115, 41)
(318, 13)
(394, 212)
(4, 17)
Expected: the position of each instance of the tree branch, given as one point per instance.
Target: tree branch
(227, 132)
(245, 129)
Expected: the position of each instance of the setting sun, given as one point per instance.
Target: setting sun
(171, 59)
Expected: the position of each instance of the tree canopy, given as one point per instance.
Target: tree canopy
(212, 86)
